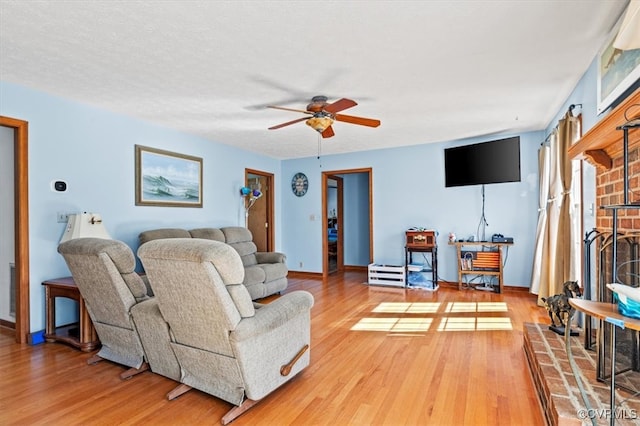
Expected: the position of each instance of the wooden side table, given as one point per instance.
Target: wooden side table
(607, 312)
(492, 265)
(86, 339)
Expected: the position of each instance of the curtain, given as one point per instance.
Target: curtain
(568, 134)
(558, 251)
(541, 231)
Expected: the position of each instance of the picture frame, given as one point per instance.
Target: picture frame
(617, 70)
(168, 179)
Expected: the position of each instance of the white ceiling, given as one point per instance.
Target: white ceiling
(429, 70)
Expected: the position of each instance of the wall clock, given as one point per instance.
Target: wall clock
(299, 184)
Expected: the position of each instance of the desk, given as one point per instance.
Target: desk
(86, 339)
(607, 312)
(478, 261)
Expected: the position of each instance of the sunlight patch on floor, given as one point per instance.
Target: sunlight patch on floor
(476, 307)
(406, 307)
(396, 325)
(474, 324)
(425, 313)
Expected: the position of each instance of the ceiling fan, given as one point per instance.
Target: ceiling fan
(323, 114)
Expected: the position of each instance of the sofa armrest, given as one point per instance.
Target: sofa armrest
(270, 257)
(273, 315)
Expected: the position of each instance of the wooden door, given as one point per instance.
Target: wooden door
(259, 221)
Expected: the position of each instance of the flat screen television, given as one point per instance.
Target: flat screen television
(482, 163)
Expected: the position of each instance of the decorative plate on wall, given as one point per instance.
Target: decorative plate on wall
(299, 184)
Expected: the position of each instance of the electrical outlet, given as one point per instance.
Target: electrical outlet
(301, 264)
(63, 217)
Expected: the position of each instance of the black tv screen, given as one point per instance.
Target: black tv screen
(483, 163)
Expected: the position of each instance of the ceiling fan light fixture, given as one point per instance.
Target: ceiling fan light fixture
(320, 124)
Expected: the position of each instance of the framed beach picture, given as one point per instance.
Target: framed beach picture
(166, 178)
(617, 70)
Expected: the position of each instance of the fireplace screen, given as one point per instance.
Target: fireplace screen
(625, 270)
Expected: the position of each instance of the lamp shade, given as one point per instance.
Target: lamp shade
(319, 123)
(85, 225)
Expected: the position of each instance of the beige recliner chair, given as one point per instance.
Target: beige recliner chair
(226, 345)
(125, 316)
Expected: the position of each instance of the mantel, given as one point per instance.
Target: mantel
(603, 142)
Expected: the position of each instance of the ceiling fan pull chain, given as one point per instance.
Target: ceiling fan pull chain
(319, 149)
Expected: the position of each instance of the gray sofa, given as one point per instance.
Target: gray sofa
(265, 273)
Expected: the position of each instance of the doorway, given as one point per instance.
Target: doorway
(21, 218)
(335, 223)
(354, 224)
(259, 216)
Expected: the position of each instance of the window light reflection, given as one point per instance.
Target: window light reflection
(474, 323)
(476, 307)
(395, 325)
(407, 307)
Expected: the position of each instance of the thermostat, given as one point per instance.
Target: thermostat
(58, 185)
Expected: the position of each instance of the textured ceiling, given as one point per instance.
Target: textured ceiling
(429, 70)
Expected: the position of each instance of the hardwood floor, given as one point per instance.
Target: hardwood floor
(379, 356)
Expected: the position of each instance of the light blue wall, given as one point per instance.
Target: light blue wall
(356, 219)
(93, 150)
(408, 190)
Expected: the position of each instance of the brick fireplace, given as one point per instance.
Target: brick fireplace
(603, 147)
(609, 189)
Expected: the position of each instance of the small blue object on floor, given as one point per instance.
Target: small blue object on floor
(421, 280)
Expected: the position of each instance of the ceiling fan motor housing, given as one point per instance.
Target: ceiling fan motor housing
(317, 104)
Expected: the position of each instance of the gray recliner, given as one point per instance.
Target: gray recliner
(120, 303)
(226, 345)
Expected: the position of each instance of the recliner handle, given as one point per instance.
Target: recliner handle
(286, 369)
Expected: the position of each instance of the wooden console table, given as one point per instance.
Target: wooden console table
(492, 265)
(607, 312)
(86, 339)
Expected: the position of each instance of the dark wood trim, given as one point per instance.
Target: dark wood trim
(7, 324)
(303, 275)
(359, 268)
(21, 160)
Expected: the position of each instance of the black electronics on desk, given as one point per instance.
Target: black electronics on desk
(499, 238)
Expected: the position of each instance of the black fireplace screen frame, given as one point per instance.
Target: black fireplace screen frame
(626, 271)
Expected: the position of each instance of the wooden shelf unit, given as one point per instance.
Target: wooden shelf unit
(485, 262)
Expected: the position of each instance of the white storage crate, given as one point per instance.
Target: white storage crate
(387, 275)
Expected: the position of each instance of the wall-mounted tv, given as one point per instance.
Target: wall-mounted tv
(483, 163)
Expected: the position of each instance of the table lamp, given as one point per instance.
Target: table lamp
(85, 225)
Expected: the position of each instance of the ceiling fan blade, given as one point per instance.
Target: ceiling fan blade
(290, 109)
(288, 123)
(339, 105)
(328, 132)
(371, 122)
